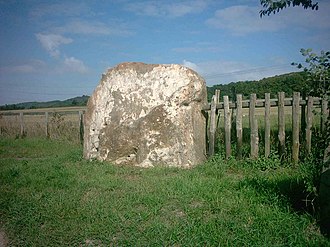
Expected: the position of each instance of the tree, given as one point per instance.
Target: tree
(318, 71)
(271, 6)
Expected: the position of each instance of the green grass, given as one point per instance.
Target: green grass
(50, 196)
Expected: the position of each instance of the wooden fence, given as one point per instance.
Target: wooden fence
(47, 115)
(302, 119)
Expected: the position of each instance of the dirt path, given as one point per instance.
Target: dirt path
(3, 239)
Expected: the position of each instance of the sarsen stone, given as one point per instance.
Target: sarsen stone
(147, 115)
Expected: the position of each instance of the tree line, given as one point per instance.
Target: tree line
(287, 83)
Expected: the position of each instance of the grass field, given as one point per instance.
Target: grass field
(63, 124)
(50, 196)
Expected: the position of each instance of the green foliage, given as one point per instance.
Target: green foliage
(262, 163)
(318, 71)
(11, 107)
(288, 83)
(77, 101)
(271, 6)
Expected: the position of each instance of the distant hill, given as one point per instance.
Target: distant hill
(77, 101)
(288, 83)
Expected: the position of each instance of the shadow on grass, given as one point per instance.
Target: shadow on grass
(291, 192)
(285, 191)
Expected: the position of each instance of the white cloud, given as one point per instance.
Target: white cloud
(222, 72)
(200, 47)
(242, 20)
(72, 64)
(59, 9)
(191, 65)
(31, 66)
(92, 27)
(52, 42)
(166, 9)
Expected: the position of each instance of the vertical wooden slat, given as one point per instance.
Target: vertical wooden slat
(281, 124)
(303, 116)
(267, 124)
(309, 124)
(239, 127)
(81, 127)
(47, 124)
(227, 116)
(324, 114)
(21, 121)
(254, 139)
(295, 126)
(213, 123)
(217, 98)
(217, 95)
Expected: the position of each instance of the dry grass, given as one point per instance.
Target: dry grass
(61, 125)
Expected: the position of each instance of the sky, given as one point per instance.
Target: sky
(55, 50)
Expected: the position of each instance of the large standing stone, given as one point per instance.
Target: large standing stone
(147, 115)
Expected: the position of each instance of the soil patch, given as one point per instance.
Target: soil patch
(3, 239)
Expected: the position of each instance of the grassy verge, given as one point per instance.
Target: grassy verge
(51, 197)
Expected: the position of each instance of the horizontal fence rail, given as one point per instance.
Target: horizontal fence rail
(43, 119)
(261, 103)
(231, 113)
(301, 122)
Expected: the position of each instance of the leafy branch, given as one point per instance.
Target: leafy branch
(318, 71)
(271, 6)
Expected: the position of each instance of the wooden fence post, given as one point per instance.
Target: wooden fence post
(324, 114)
(267, 124)
(239, 128)
(213, 123)
(47, 125)
(281, 124)
(309, 124)
(217, 97)
(227, 116)
(22, 129)
(303, 116)
(254, 139)
(81, 127)
(295, 126)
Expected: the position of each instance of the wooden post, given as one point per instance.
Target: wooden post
(324, 114)
(47, 124)
(227, 117)
(217, 97)
(81, 127)
(309, 124)
(213, 123)
(239, 128)
(281, 124)
(295, 126)
(254, 139)
(21, 120)
(267, 124)
(303, 116)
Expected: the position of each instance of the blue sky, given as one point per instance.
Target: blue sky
(58, 49)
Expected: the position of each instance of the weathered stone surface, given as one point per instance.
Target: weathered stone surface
(147, 115)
